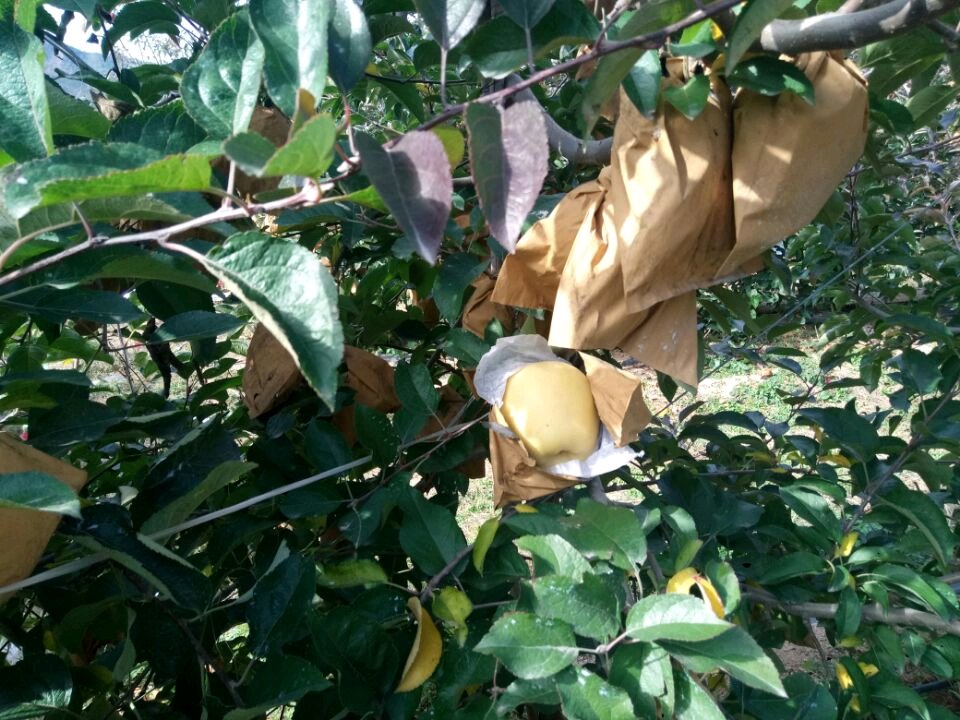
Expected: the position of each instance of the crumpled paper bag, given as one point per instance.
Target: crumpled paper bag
(619, 259)
(25, 533)
(663, 209)
(480, 309)
(270, 374)
(372, 380)
(789, 156)
(617, 394)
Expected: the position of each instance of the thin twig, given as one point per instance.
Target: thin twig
(447, 569)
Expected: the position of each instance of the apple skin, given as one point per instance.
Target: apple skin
(550, 407)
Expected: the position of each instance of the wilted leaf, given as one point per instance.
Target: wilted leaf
(414, 180)
(426, 651)
(508, 158)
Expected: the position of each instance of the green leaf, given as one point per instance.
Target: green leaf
(308, 153)
(613, 68)
(813, 508)
(509, 158)
(414, 180)
(542, 691)
(847, 428)
(26, 131)
(277, 680)
(128, 263)
(37, 491)
(690, 98)
(695, 41)
(481, 546)
(920, 371)
(849, 613)
(415, 388)
(71, 422)
(98, 170)
(919, 588)
(693, 702)
(929, 103)
(750, 23)
(429, 533)
(645, 672)
(109, 531)
(97, 306)
(585, 696)
(293, 295)
(921, 511)
(530, 646)
(35, 687)
(350, 43)
(588, 606)
(552, 555)
(69, 116)
(168, 129)
(733, 651)
(294, 37)
(499, 46)
(608, 533)
(465, 347)
(642, 83)
(407, 94)
(456, 273)
(449, 21)
(220, 88)
(673, 616)
(195, 325)
(809, 700)
(280, 599)
(771, 76)
(526, 13)
(21, 12)
(182, 507)
(795, 564)
(376, 433)
(145, 16)
(351, 573)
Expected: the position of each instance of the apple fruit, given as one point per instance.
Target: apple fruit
(549, 405)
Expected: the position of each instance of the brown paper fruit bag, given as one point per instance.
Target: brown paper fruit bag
(25, 533)
(789, 156)
(270, 374)
(619, 257)
(480, 309)
(617, 394)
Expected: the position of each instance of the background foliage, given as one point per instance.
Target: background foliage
(131, 249)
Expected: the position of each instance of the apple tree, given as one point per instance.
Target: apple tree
(246, 256)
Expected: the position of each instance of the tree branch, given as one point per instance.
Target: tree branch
(872, 613)
(841, 31)
(577, 151)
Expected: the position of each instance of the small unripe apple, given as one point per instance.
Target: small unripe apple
(550, 407)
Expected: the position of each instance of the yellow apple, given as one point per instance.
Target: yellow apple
(550, 407)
